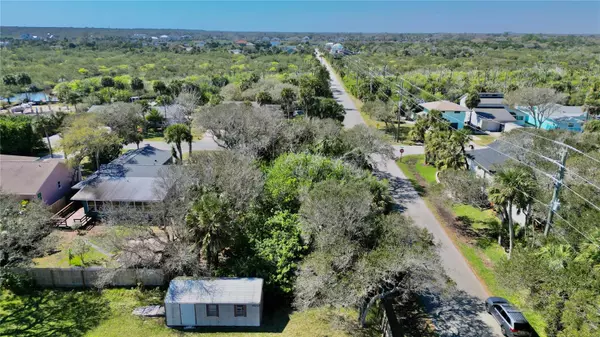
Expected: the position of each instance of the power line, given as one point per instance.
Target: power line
(557, 214)
(520, 129)
(544, 173)
(520, 161)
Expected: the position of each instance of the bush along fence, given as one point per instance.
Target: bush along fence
(93, 277)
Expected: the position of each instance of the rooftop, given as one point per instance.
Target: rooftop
(215, 291)
(483, 102)
(497, 114)
(147, 155)
(443, 106)
(25, 175)
(562, 111)
(133, 177)
(487, 158)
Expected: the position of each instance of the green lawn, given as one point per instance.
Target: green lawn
(415, 164)
(480, 219)
(108, 314)
(483, 140)
(60, 259)
(390, 131)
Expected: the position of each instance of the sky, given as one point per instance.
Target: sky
(483, 16)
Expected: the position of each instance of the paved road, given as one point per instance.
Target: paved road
(205, 144)
(463, 313)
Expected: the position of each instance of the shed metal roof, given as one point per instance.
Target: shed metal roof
(215, 291)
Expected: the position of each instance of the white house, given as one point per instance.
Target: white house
(214, 302)
(491, 114)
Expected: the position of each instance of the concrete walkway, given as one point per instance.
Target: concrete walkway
(463, 313)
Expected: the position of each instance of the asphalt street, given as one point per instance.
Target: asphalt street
(461, 313)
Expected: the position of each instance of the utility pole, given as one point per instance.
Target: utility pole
(557, 185)
(398, 119)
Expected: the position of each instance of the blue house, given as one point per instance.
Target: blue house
(570, 118)
(452, 112)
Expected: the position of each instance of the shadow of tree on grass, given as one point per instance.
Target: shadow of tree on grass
(51, 313)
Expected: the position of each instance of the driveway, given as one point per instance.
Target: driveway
(462, 313)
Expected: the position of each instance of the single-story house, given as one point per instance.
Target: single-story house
(485, 161)
(214, 302)
(569, 118)
(452, 112)
(133, 179)
(30, 178)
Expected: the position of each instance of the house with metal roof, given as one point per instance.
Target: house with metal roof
(30, 178)
(452, 112)
(214, 302)
(132, 179)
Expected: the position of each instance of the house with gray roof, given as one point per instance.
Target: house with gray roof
(29, 178)
(491, 114)
(570, 118)
(484, 162)
(134, 179)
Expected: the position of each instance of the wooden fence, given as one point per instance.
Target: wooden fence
(88, 277)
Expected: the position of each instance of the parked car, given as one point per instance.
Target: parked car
(511, 320)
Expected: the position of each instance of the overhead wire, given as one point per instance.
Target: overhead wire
(519, 129)
(525, 163)
(533, 167)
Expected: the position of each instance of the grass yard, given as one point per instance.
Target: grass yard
(390, 131)
(483, 140)
(66, 240)
(482, 253)
(415, 168)
(108, 314)
(480, 219)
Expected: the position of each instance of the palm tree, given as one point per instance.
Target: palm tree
(512, 188)
(288, 96)
(176, 134)
(45, 124)
(209, 221)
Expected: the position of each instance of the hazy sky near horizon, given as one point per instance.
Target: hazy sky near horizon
(485, 16)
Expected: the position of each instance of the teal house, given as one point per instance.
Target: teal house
(452, 112)
(570, 118)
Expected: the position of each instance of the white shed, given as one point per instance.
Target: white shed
(214, 302)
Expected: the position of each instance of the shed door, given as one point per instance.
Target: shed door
(188, 314)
